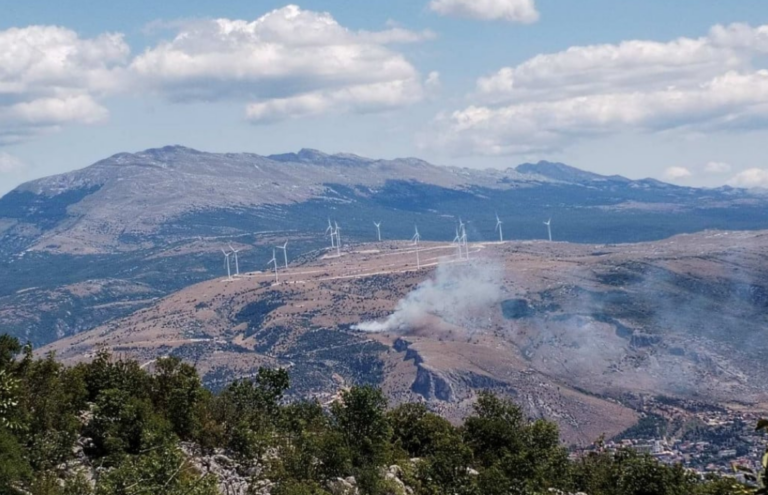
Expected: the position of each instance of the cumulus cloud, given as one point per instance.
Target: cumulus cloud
(289, 62)
(750, 178)
(549, 101)
(717, 168)
(675, 174)
(522, 11)
(9, 164)
(49, 77)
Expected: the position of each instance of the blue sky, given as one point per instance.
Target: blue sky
(673, 90)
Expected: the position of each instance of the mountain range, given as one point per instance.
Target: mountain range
(80, 248)
(123, 252)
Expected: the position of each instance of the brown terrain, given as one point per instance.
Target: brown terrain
(568, 330)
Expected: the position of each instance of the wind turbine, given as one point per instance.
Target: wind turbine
(337, 231)
(498, 227)
(226, 257)
(284, 247)
(548, 223)
(330, 229)
(378, 230)
(462, 234)
(416, 238)
(237, 265)
(274, 261)
(457, 241)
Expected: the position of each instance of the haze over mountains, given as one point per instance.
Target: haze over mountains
(126, 253)
(79, 248)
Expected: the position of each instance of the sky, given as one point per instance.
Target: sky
(677, 91)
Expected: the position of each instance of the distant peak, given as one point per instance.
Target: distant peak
(170, 149)
(308, 155)
(562, 172)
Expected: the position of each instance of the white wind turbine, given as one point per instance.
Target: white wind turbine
(457, 241)
(337, 231)
(237, 264)
(226, 257)
(284, 247)
(330, 230)
(274, 261)
(416, 238)
(498, 227)
(378, 230)
(548, 223)
(463, 238)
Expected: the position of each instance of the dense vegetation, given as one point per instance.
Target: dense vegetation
(129, 426)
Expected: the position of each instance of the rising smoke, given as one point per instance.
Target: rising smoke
(458, 298)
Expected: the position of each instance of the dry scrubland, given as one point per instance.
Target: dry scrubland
(567, 330)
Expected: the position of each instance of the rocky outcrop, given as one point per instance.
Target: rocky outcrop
(234, 478)
(433, 384)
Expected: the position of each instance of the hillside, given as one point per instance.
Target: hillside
(146, 224)
(566, 329)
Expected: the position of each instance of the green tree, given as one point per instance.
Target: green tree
(53, 398)
(123, 424)
(159, 472)
(9, 401)
(14, 469)
(176, 391)
(360, 418)
(528, 454)
(417, 431)
(250, 410)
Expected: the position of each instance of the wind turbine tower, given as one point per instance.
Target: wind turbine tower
(337, 231)
(331, 231)
(416, 239)
(284, 247)
(498, 227)
(237, 264)
(463, 238)
(274, 261)
(378, 230)
(548, 223)
(457, 241)
(226, 257)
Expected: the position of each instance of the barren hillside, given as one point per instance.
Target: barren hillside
(566, 329)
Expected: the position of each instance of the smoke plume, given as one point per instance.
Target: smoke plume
(456, 298)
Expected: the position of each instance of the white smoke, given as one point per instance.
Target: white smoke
(459, 296)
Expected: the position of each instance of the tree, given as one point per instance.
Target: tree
(417, 431)
(250, 410)
(123, 424)
(360, 417)
(159, 472)
(9, 348)
(528, 454)
(8, 401)
(13, 467)
(176, 390)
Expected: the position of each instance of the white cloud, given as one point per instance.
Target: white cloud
(9, 164)
(675, 174)
(49, 76)
(549, 101)
(289, 62)
(433, 82)
(522, 11)
(717, 168)
(750, 178)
